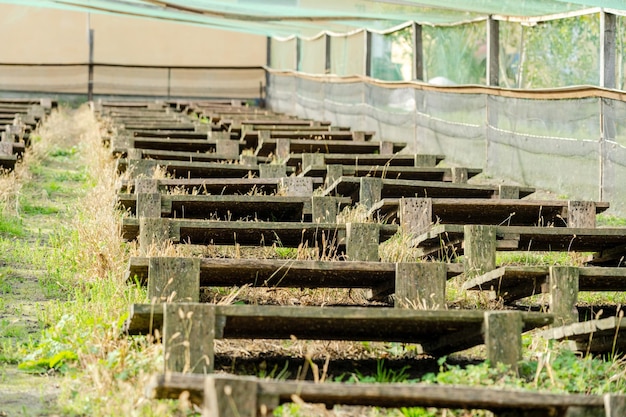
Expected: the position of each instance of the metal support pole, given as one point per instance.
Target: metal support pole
(90, 67)
(327, 52)
(418, 53)
(298, 54)
(608, 26)
(169, 82)
(493, 52)
(368, 53)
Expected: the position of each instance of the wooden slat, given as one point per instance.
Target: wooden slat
(439, 332)
(527, 238)
(506, 212)
(391, 172)
(606, 335)
(515, 282)
(184, 169)
(335, 158)
(391, 188)
(268, 146)
(255, 233)
(288, 273)
(218, 185)
(172, 385)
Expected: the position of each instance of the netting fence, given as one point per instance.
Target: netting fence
(570, 141)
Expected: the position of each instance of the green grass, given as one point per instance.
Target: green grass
(12, 226)
(610, 221)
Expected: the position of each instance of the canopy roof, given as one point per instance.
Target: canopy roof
(310, 17)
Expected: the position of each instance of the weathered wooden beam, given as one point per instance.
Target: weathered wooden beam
(325, 209)
(297, 186)
(226, 396)
(581, 214)
(272, 170)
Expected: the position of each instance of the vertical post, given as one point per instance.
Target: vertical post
(268, 65)
(169, 82)
(90, 67)
(370, 191)
(362, 241)
(480, 249)
(228, 396)
(174, 279)
(420, 285)
(564, 294)
(298, 54)
(416, 215)
(368, 53)
(327, 54)
(493, 52)
(503, 337)
(188, 337)
(418, 53)
(608, 25)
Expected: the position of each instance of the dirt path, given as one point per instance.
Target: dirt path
(49, 188)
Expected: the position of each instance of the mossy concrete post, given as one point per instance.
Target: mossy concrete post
(272, 171)
(425, 160)
(142, 168)
(415, 215)
(324, 209)
(218, 135)
(248, 160)
(333, 173)
(563, 283)
(148, 205)
(362, 241)
(155, 231)
(283, 147)
(420, 285)
(174, 279)
(226, 396)
(479, 249)
(503, 337)
(6, 148)
(510, 192)
(188, 337)
(581, 214)
(459, 175)
(370, 191)
(358, 136)
(297, 186)
(228, 149)
(386, 148)
(312, 160)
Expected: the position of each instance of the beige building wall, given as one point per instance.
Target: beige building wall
(39, 35)
(50, 36)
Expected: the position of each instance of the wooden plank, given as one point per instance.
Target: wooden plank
(527, 238)
(391, 172)
(606, 335)
(366, 159)
(254, 233)
(439, 332)
(252, 138)
(268, 146)
(223, 272)
(184, 169)
(515, 282)
(171, 385)
(185, 156)
(231, 207)
(504, 212)
(220, 186)
(349, 186)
